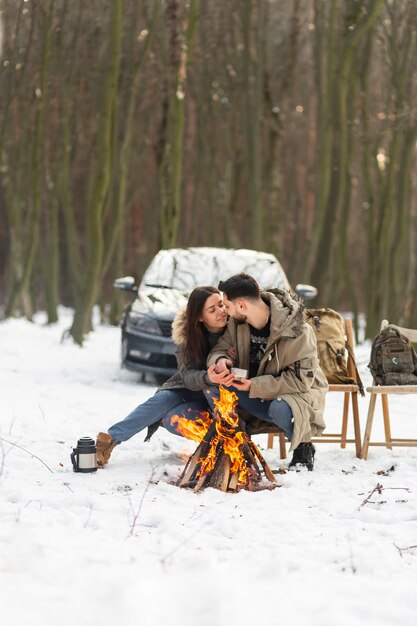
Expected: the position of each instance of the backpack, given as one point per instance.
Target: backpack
(329, 328)
(393, 358)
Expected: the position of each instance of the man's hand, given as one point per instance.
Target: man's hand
(220, 378)
(243, 384)
(222, 365)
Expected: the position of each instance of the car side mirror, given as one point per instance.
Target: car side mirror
(126, 283)
(306, 292)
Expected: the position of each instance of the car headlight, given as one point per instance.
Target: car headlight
(143, 323)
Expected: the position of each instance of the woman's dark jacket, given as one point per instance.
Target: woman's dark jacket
(188, 377)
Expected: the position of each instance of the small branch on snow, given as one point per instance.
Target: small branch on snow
(30, 502)
(3, 454)
(12, 424)
(379, 489)
(42, 412)
(401, 550)
(27, 452)
(136, 515)
(3, 459)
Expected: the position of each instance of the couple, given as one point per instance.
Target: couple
(266, 335)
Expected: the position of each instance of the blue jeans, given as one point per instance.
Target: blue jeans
(162, 405)
(276, 412)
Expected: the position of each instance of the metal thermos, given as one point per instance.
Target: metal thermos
(84, 456)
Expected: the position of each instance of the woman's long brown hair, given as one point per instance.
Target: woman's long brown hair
(196, 342)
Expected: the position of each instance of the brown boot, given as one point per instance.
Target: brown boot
(105, 445)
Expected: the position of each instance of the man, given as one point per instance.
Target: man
(285, 385)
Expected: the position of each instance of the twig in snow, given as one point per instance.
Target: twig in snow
(12, 424)
(30, 502)
(386, 472)
(379, 489)
(27, 452)
(136, 515)
(401, 550)
(42, 412)
(3, 459)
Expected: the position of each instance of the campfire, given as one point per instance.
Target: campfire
(225, 458)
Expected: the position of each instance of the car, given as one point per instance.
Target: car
(146, 342)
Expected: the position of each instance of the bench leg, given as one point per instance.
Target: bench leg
(282, 448)
(356, 424)
(368, 428)
(270, 440)
(387, 424)
(345, 420)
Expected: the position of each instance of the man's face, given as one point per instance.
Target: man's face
(235, 308)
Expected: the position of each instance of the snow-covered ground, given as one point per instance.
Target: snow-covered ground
(126, 546)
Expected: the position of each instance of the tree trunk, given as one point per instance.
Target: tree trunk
(326, 259)
(97, 205)
(21, 288)
(117, 218)
(172, 164)
(253, 27)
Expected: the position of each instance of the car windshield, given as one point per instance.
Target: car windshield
(184, 269)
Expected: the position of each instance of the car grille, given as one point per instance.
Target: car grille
(166, 327)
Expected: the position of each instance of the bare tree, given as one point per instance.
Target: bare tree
(100, 193)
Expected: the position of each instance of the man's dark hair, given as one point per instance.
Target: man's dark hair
(240, 286)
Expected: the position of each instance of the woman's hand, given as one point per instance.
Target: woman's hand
(225, 377)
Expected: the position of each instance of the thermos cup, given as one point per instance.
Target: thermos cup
(84, 456)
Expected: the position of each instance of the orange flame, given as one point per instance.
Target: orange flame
(231, 438)
(209, 461)
(227, 435)
(226, 405)
(192, 429)
(226, 458)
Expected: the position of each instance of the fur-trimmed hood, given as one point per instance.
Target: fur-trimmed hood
(178, 328)
(287, 308)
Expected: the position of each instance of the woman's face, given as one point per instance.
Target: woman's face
(213, 314)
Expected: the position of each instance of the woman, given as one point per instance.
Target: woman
(195, 331)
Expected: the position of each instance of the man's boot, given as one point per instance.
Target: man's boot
(105, 444)
(303, 455)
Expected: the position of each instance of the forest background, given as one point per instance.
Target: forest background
(288, 126)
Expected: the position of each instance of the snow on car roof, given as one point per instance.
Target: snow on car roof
(185, 268)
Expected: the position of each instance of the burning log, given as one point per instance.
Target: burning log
(225, 458)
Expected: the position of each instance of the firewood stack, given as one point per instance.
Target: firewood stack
(225, 458)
